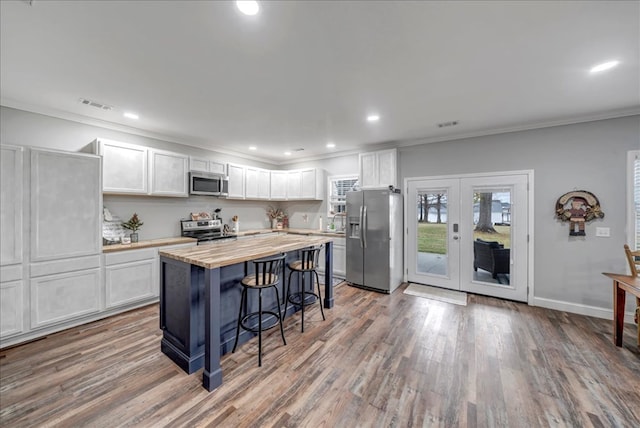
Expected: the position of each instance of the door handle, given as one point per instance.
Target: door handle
(360, 227)
(364, 229)
(456, 237)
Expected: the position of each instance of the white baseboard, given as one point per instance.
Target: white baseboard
(574, 308)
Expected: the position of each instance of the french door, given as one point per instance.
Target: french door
(469, 233)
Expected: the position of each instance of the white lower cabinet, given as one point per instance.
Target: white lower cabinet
(64, 293)
(339, 258)
(11, 304)
(130, 276)
(65, 296)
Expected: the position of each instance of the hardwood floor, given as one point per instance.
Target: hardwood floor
(377, 361)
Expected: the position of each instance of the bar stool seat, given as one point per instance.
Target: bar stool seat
(265, 275)
(306, 266)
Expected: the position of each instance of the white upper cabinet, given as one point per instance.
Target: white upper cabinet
(257, 183)
(196, 164)
(278, 185)
(138, 170)
(169, 173)
(66, 205)
(236, 181)
(294, 184)
(205, 165)
(11, 203)
(378, 169)
(124, 167)
(300, 184)
(305, 184)
(312, 180)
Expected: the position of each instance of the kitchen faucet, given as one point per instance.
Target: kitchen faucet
(333, 220)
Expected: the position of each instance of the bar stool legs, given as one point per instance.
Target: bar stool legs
(307, 264)
(265, 276)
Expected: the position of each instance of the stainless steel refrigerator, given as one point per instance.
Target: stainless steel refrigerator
(374, 239)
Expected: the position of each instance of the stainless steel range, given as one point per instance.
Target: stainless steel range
(204, 231)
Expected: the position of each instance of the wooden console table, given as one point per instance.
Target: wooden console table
(621, 285)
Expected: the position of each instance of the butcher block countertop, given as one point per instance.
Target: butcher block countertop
(252, 232)
(148, 244)
(226, 253)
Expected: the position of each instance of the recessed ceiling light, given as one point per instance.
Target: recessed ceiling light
(131, 115)
(287, 153)
(373, 118)
(253, 148)
(331, 145)
(604, 66)
(248, 7)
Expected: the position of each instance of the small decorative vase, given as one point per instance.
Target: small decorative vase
(134, 237)
(274, 223)
(236, 226)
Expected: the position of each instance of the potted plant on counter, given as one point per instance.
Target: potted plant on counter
(133, 225)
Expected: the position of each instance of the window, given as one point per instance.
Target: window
(337, 190)
(634, 199)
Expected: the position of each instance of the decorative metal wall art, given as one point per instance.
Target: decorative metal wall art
(578, 207)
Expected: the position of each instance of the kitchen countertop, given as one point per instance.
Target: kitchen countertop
(147, 244)
(289, 231)
(182, 240)
(225, 253)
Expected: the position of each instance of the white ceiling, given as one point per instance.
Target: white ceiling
(301, 74)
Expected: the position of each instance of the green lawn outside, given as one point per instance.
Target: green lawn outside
(432, 238)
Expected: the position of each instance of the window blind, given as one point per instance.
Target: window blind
(338, 191)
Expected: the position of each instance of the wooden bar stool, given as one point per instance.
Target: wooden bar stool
(307, 264)
(265, 275)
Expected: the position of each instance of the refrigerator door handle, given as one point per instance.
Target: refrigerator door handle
(364, 227)
(361, 225)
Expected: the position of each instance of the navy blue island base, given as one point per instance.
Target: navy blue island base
(200, 295)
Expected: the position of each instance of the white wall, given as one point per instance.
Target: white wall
(160, 215)
(589, 156)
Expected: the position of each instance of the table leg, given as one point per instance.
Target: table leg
(619, 296)
(212, 376)
(328, 275)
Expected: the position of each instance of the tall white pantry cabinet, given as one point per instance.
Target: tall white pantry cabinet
(51, 239)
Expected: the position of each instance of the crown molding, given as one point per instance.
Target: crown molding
(199, 144)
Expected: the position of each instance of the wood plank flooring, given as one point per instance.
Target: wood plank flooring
(377, 361)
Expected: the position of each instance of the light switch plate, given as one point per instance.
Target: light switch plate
(603, 232)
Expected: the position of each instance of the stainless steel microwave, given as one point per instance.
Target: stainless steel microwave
(205, 183)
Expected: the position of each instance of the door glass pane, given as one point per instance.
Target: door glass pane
(432, 251)
(492, 235)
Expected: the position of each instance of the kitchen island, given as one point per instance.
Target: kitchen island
(200, 296)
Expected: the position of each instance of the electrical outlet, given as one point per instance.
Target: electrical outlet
(603, 232)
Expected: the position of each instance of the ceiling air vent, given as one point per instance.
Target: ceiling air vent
(447, 124)
(298, 150)
(95, 104)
